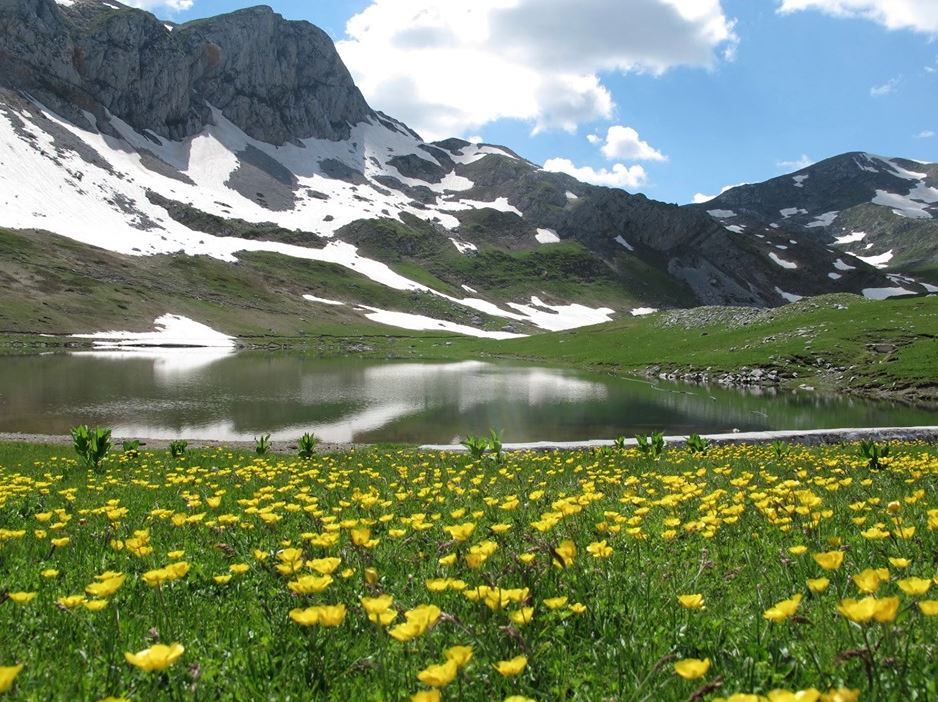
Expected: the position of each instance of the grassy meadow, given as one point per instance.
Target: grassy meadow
(738, 573)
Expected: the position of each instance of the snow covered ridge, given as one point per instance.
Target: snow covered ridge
(97, 189)
(170, 330)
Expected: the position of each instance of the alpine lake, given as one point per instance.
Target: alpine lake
(227, 396)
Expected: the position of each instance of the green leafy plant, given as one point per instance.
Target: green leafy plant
(697, 444)
(91, 445)
(874, 454)
(619, 442)
(262, 445)
(307, 444)
(650, 447)
(178, 448)
(781, 449)
(477, 446)
(131, 448)
(495, 443)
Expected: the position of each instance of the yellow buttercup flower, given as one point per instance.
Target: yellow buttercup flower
(783, 610)
(94, 605)
(695, 601)
(928, 607)
(461, 655)
(830, 560)
(899, 562)
(914, 586)
(818, 585)
(599, 549)
(325, 566)
(8, 674)
(692, 668)
(439, 675)
(513, 667)
(106, 587)
(809, 695)
(157, 657)
(565, 554)
(310, 584)
(22, 597)
(426, 696)
(797, 550)
(555, 602)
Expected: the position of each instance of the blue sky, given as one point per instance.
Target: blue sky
(731, 91)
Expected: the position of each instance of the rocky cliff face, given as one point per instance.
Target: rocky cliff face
(276, 80)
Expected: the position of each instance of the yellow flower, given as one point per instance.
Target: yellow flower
(324, 566)
(106, 587)
(305, 617)
(239, 568)
(565, 554)
(175, 555)
(868, 581)
(260, 555)
(222, 579)
(426, 696)
(899, 562)
(809, 695)
(522, 616)
(817, 585)
(842, 694)
(914, 586)
(332, 615)
(783, 610)
(22, 597)
(555, 602)
(157, 657)
(512, 667)
(830, 560)
(59, 543)
(577, 608)
(599, 549)
(692, 668)
(439, 675)
(447, 560)
(417, 621)
(50, 573)
(929, 607)
(94, 605)
(8, 674)
(460, 655)
(797, 550)
(862, 611)
(460, 532)
(519, 698)
(695, 601)
(310, 584)
(71, 601)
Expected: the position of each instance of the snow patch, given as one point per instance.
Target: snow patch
(790, 297)
(571, 196)
(170, 330)
(834, 276)
(463, 246)
(824, 220)
(419, 322)
(841, 266)
(622, 242)
(850, 238)
(879, 261)
(721, 214)
(799, 180)
(547, 236)
(735, 228)
(903, 205)
(321, 300)
(782, 262)
(884, 293)
(791, 212)
(642, 311)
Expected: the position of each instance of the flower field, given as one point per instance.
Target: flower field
(742, 573)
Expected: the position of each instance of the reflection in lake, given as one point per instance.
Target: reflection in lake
(217, 394)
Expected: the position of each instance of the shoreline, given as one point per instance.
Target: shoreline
(806, 437)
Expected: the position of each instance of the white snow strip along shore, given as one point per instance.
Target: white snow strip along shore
(814, 436)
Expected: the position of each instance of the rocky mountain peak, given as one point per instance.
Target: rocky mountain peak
(277, 80)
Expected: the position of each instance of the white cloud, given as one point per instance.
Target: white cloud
(174, 5)
(475, 139)
(620, 176)
(447, 68)
(917, 15)
(886, 88)
(925, 134)
(796, 165)
(594, 139)
(624, 143)
(700, 198)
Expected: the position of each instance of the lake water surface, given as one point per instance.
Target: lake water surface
(212, 394)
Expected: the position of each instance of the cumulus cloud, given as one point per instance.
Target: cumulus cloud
(700, 198)
(925, 134)
(796, 165)
(174, 5)
(917, 15)
(448, 68)
(619, 176)
(624, 143)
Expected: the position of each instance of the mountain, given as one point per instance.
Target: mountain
(229, 168)
(883, 211)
